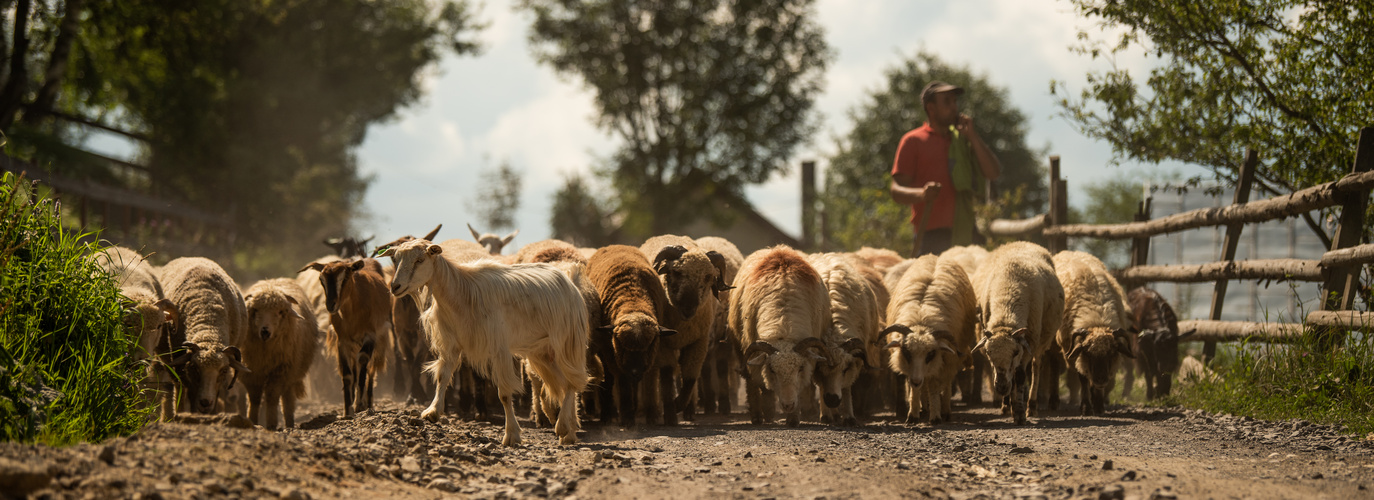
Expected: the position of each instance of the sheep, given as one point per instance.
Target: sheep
(894, 274)
(718, 383)
(488, 312)
(632, 300)
(213, 321)
(348, 247)
(1156, 352)
(279, 348)
(880, 258)
(493, 244)
(692, 278)
(971, 381)
(360, 323)
(852, 337)
(549, 251)
(968, 257)
(1021, 304)
(150, 315)
(1093, 331)
(930, 333)
(779, 309)
(874, 276)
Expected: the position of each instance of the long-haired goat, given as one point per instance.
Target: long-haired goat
(488, 312)
(360, 319)
(779, 309)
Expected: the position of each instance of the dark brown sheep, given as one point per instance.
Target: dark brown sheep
(627, 341)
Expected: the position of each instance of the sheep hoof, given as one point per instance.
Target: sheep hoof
(793, 420)
(512, 440)
(431, 414)
(568, 439)
(851, 422)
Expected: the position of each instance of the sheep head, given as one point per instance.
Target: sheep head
(786, 371)
(834, 377)
(269, 311)
(150, 319)
(634, 338)
(209, 374)
(689, 277)
(1009, 354)
(414, 266)
(920, 352)
(493, 243)
(1095, 353)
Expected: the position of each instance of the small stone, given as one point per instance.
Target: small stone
(1128, 476)
(903, 466)
(702, 470)
(1106, 465)
(1315, 475)
(1021, 450)
(1113, 492)
(294, 494)
(107, 454)
(748, 454)
(238, 422)
(410, 464)
(820, 459)
(442, 484)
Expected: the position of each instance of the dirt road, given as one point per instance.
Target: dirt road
(1130, 453)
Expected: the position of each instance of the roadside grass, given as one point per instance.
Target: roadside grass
(65, 373)
(1298, 380)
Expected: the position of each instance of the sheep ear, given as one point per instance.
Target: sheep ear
(1073, 355)
(235, 358)
(313, 265)
(892, 344)
(291, 311)
(506, 241)
(289, 298)
(757, 360)
(1123, 343)
(434, 250)
(169, 309)
(1187, 334)
(666, 332)
(605, 330)
(476, 236)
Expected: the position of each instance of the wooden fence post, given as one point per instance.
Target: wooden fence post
(1338, 293)
(1140, 247)
(1228, 249)
(1059, 207)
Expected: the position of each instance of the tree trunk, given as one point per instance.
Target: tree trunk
(58, 63)
(12, 93)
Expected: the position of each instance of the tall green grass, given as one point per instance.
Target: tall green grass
(1295, 380)
(65, 372)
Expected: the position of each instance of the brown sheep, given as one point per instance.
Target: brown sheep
(549, 251)
(632, 300)
(692, 277)
(279, 348)
(1156, 352)
(719, 382)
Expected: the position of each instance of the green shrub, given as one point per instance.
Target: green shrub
(65, 372)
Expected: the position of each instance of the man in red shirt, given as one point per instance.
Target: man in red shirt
(941, 166)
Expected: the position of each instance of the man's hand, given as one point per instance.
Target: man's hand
(964, 124)
(930, 191)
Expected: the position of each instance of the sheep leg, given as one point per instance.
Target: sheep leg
(753, 397)
(897, 391)
(288, 408)
(1019, 393)
(724, 395)
(770, 403)
(1086, 406)
(707, 385)
(1127, 379)
(254, 404)
(847, 407)
(610, 384)
(913, 402)
(566, 428)
(270, 412)
(443, 374)
(1055, 367)
(1038, 395)
(827, 413)
(666, 384)
(1075, 386)
(648, 398)
(628, 387)
(691, 358)
(934, 395)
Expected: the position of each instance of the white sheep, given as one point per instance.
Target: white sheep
(1022, 305)
(970, 381)
(151, 316)
(213, 320)
(1094, 329)
(852, 339)
(279, 348)
(487, 312)
(930, 333)
(779, 309)
(719, 382)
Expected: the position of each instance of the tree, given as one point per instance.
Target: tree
(497, 198)
(579, 217)
(858, 209)
(1111, 201)
(250, 109)
(707, 97)
(1287, 77)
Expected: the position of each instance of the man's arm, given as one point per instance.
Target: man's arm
(987, 161)
(903, 192)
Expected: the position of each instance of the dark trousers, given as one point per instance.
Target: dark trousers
(936, 241)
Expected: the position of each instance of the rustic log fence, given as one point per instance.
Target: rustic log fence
(1338, 269)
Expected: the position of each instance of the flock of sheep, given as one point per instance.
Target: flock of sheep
(621, 332)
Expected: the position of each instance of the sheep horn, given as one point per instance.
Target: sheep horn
(818, 345)
(189, 353)
(1187, 334)
(895, 327)
(1079, 335)
(671, 252)
(759, 346)
(855, 347)
(235, 359)
(944, 335)
(718, 260)
(1123, 343)
(430, 236)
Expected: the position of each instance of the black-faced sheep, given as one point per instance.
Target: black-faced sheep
(632, 299)
(1156, 352)
(1022, 305)
(487, 312)
(279, 348)
(692, 277)
(360, 323)
(930, 333)
(213, 320)
(148, 314)
(779, 309)
(1094, 329)
(852, 336)
(719, 382)
(493, 244)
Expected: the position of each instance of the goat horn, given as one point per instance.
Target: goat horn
(433, 233)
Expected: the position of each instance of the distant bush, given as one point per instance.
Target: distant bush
(65, 372)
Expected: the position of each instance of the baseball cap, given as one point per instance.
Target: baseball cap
(936, 87)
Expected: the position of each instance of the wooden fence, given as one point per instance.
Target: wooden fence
(1338, 269)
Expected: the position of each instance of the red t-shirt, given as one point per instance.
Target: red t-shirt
(923, 156)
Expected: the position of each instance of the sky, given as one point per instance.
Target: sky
(502, 106)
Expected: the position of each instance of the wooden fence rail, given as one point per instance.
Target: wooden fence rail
(1338, 269)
